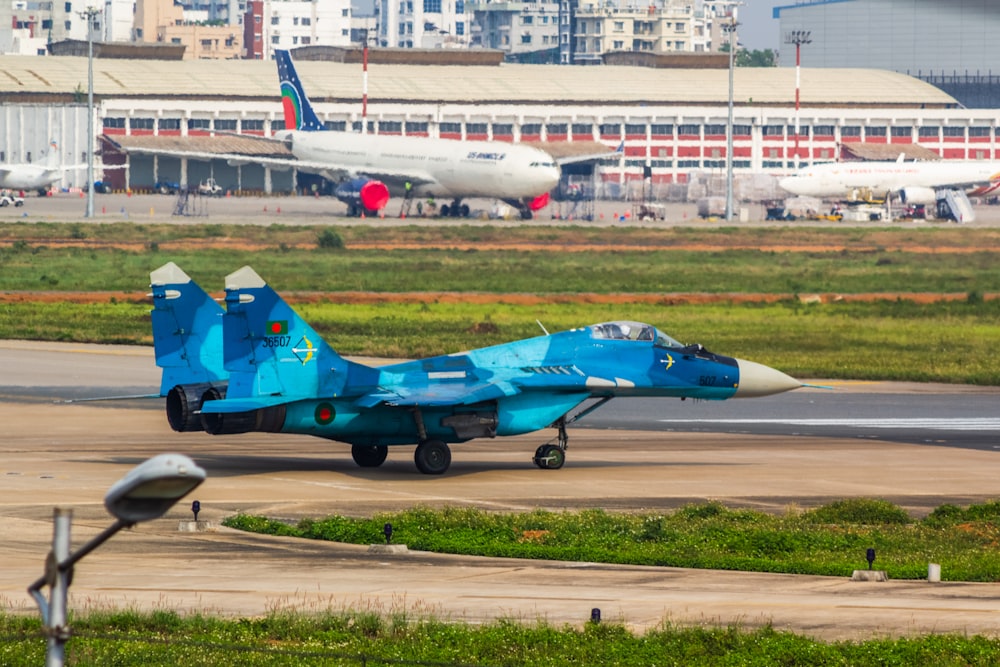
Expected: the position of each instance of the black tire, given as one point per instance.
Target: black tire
(3, 202)
(369, 456)
(549, 457)
(432, 457)
(526, 214)
(463, 211)
(445, 211)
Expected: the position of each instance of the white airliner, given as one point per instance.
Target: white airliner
(911, 182)
(35, 176)
(370, 167)
(379, 164)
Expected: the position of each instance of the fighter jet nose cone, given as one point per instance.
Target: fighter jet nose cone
(760, 380)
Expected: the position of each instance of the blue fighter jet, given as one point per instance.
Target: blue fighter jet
(257, 366)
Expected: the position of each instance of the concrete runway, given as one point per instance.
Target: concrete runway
(69, 454)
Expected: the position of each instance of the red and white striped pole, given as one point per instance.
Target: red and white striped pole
(798, 38)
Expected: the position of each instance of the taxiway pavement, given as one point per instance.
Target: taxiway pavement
(67, 455)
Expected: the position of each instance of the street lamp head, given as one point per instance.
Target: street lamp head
(152, 488)
(798, 37)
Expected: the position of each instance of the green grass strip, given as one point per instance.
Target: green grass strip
(831, 540)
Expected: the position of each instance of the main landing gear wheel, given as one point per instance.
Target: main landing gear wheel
(432, 457)
(549, 457)
(369, 456)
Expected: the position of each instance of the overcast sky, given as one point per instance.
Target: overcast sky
(757, 29)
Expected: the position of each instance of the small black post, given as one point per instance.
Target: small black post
(595, 615)
(387, 531)
(196, 507)
(870, 555)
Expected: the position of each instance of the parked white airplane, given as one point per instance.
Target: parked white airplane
(911, 182)
(35, 176)
(518, 174)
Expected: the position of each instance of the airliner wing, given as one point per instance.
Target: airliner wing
(330, 170)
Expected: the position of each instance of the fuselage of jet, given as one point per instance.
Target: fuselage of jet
(434, 167)
(27, 176)
(839, 179)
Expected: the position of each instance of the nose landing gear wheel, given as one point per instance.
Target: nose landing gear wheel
(549, 457)
(432, 457)
(369, 456)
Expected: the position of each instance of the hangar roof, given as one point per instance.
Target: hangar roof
(43, 78)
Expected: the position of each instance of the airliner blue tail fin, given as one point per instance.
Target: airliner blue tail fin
(272, 352)
(299, 114)
(187, 330)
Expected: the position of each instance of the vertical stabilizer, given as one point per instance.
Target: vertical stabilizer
(187, 330)
(299, 114)
(272, 352)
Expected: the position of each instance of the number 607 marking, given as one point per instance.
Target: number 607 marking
(706, 380)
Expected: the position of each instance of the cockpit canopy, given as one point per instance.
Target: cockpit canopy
(627, 330)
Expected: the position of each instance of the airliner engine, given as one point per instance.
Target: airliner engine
(362, 195)
(916, 194)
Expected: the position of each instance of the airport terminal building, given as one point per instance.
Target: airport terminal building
(670, 121)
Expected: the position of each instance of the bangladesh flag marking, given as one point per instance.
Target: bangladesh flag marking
(276, 327)
(324, 413)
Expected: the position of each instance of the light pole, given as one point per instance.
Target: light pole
(729, 27)
(90, 13)
(145, 493)
(798, 38)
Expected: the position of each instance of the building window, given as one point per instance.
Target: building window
(275, 39)
(414, 127)
(742, 130)
(527, 20)
(390, 126)
(275, 20)
(253, 124)
(335, 125)
(169, 123)
(904, 132)
(582, 129)
(526, 38)
(306, 20)
(803, 130)
(951, 131)
(503, 130)
(661, 129)
(225, 124)
(979, 131)
(460, 27)
(556, 128)
(141, 123)
(929, 132)
(875, 131)
(115, 123)
(689, 130)
(611, 129)
(432, 6)
(715, 130)
(850, 131)
(531, 128)
(199, 123)
(476, 128)
(635, 128)
(450, 128)
(823, 130)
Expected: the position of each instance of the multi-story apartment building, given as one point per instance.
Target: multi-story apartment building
(423, 24)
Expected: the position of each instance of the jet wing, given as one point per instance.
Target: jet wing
(438, 394)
